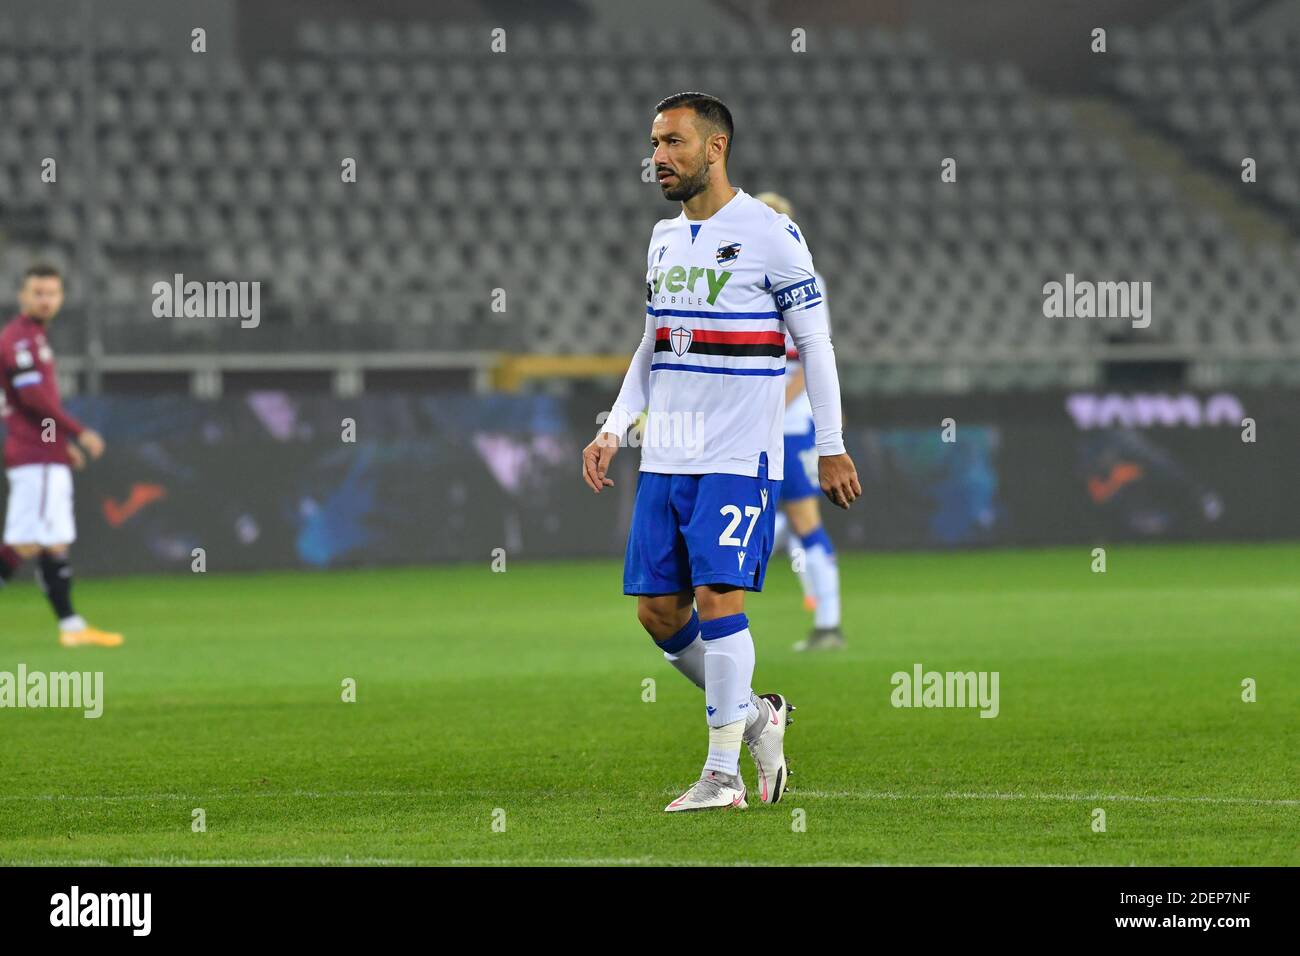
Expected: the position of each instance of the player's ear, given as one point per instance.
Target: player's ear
(717, 147)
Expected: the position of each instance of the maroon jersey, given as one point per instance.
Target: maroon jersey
(31, 396)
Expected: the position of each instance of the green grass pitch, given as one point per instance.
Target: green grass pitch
(522, 692)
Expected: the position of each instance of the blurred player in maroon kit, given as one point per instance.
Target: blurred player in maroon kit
(42, 445)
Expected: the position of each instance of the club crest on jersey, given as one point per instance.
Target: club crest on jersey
(728, 252)
(681, 338)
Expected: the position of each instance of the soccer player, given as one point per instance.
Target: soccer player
(42, 440)
(801, 518)
(724, 280)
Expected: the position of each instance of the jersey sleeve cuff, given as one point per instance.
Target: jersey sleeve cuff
(617, 423)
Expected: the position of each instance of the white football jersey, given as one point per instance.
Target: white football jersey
(718, 303)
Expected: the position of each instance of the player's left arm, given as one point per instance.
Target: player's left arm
(801, 304)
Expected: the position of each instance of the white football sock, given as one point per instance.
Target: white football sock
(690, 662)
(685, 651)
(74, 623)
(728, 670)
(824, 571)
(786, 538)
(801, 572)
(724, 748)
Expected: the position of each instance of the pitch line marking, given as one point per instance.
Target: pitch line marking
(1047, 797)
(815, 794)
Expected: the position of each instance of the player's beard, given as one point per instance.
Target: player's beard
(689, 185)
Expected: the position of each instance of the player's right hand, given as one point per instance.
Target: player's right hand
(596, 458)
(76, 457)
(839, 479)
(91, 443)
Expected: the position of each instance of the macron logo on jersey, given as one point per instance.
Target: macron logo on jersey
(798, 296)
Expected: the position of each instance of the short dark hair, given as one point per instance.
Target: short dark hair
(42, 270)
(709, 108)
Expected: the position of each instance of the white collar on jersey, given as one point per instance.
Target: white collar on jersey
(728, 205)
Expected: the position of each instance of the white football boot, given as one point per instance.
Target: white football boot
(767, 747)
(712, 790)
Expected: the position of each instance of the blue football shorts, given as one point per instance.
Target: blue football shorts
(689, 530)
